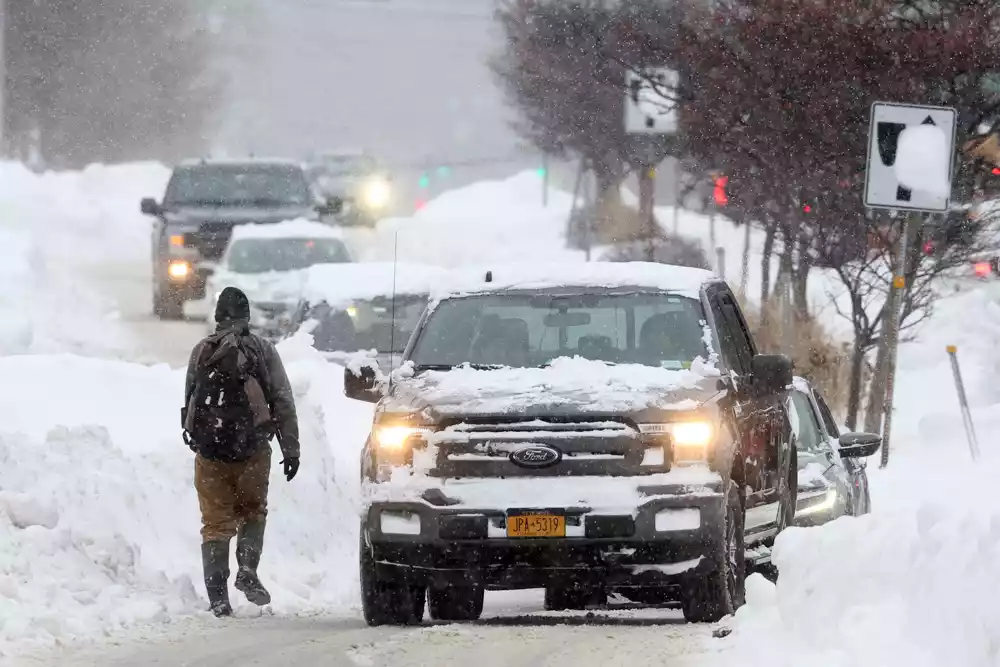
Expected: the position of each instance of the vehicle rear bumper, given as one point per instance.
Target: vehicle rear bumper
(663, 542)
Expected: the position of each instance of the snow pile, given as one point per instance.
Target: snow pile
(493, 220)
(905, 584)
(583, 383)
(98, 515)
(61, 234)
(923, 161)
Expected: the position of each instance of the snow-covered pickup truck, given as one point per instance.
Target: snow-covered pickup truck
(587, 428)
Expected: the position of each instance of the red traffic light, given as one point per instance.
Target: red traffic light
(806, 208)
(996, 171)
(720, 196)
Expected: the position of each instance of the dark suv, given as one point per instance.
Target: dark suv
(204, 200)
(598, 428)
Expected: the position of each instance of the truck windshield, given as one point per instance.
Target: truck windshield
(530, 330)
(367, 324)
(284, 254)
(238, 185)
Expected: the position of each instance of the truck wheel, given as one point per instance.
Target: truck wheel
(788, 493)
(558, 598)
(721, 592)
(456, 603)
(388, 602)
(167, 305)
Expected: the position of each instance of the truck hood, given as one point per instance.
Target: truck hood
(236, 215)
(567, 386)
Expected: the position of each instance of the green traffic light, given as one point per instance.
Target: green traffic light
(541, 172)
(443, 171)
(425, 181)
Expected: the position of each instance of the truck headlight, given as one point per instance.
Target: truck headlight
(179, 270)
(395, 437)
(691, 439)
(376, 194)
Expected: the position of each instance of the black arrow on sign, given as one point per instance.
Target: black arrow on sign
(928, 121)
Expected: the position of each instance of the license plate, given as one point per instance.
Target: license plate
(536, 525)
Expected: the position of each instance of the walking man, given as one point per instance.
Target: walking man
(236, 399)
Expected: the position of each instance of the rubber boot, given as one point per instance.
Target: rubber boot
(215, 560)
(249, 545)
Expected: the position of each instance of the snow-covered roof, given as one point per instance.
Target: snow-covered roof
(338, 284)
(299, 228)
(649, 275)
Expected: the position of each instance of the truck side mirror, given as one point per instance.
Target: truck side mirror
(331, 206)
(859, 445)
(771, 373)
(148, 206)
(362, 385)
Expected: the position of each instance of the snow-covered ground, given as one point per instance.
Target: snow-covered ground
(98, 517)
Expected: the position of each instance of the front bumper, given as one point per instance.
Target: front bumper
(664, 541)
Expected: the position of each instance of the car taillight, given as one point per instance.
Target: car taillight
(983, 269)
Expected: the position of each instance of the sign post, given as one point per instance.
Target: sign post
(923, 138)
(963, 402)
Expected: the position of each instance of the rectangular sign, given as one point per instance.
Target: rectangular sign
(883, 188)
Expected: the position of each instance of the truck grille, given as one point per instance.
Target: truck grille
(210, 240)
(485, 447)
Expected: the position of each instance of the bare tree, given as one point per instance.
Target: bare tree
(114, 80)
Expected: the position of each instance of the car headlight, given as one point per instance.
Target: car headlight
(376, 194)
(395, 437)
(820, 504)
(691, 439)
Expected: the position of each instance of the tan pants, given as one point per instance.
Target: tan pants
(231, 493)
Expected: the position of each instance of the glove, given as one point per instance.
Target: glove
(291, 467)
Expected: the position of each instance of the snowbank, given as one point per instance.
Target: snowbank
(493, 221)
(61, 235)
(98, 515)
(907, 584)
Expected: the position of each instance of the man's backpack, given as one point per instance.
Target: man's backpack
(227, 416)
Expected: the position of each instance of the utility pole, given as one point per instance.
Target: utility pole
(3, 78)
(896, 299)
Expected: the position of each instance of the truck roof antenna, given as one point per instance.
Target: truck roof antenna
(392, 316)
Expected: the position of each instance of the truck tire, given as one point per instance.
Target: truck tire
(388, 602)
(167, 305)
(456, 603)
(723, 590)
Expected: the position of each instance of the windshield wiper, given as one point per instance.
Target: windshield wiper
(449, 367)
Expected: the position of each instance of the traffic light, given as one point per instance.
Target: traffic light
(541, 172)
(806, 208)
(444, 171)
(719, 194)
(425, 181)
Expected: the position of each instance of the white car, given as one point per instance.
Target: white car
(365, 307)
(267, 261)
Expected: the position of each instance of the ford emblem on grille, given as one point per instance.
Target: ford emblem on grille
(536, 456)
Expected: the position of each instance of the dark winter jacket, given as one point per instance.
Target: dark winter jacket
(273, 379)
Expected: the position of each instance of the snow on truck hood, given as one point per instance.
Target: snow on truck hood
(234, 214)
(273, 286)
(567, 384)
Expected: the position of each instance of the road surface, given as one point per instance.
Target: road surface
(514, 633)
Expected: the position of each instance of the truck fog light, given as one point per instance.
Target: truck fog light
(399, 523)
(653, 456)
(677, 519)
